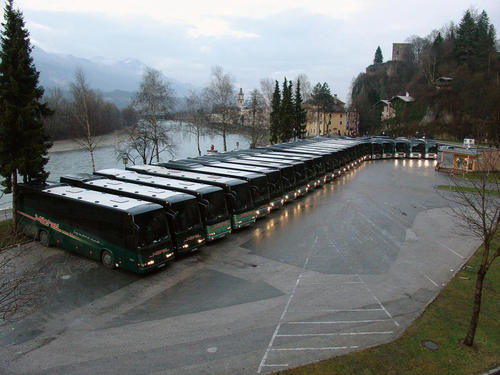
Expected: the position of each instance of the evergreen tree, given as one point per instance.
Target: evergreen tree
(23, 143)
(275, 116)
(300, 114)
(466, 40)
(379, 58)
(287, 112)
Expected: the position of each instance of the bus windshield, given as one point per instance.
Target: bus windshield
(262, 191)
(401, 146)
(188, 217)
(288, 177)
(432, 149)
(150, 229)
(243, 200)
(216, 208)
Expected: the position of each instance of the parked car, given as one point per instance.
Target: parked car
(446, 148)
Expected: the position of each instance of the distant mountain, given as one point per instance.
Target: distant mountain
(117, 79)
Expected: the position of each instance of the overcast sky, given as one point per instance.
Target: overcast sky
(329, 41)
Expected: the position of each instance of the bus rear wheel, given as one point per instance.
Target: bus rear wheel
(107, 259)
(44, 238)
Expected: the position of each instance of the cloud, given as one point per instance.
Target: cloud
(216, 27)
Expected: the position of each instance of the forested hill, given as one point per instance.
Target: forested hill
(453, 76)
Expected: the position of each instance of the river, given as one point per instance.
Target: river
(78, 161)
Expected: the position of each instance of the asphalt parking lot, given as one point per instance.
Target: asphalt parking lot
(347, 267)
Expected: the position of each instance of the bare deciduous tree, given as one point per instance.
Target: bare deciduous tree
(267, 90)
(85, 111)
(305, 86)
(475, 202)
(154, 103)
(254, 129)
(141, 144)
(221, 94)
(196, 116)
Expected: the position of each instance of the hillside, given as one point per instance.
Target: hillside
(452, 75)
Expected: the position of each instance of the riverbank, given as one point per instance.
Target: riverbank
(105, 140)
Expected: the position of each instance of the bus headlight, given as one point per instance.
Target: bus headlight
(185, 246)
(150, 263)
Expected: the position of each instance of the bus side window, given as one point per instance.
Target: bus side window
(128, 232)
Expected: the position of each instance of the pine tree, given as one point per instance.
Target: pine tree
(23, 143)
(287, 112)
(379, 58)
(466, 40)
(275, 116)
(300, 115)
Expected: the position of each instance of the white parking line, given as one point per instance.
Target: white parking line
(337, 334)
(270, 346)
(326, 348)
(343, 321)
(353, 310)
(447, 248)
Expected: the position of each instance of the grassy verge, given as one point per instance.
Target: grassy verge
(444, 322)
(492, 176)
(467, 189)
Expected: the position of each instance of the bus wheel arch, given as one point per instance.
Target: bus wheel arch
(44, 238)
(107, 259)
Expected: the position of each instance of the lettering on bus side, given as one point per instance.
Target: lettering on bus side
(192, 237)
(246, 214)
(159, 252)
(46, 222)
(221, 224)
(81, 235)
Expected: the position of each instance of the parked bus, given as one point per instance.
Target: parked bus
(402, 148)
(258, 182)
(289, 183)
(183, 215)
(431, 150)
(388, 149)
(318, 161)
(298, 165)
(274, 180)
(417, 149)
(211, 200)
(377, 149)
(237, 192)
(308, 159)
(118, 231)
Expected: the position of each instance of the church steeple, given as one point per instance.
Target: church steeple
(241, 99)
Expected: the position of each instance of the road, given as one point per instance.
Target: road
(347, 267)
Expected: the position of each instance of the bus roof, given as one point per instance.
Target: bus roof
(177, 173)
(166, 183)
(218, 170)
(98, 198)
(267, 160)
(142, 191)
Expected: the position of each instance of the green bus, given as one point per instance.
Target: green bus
(211, 200)
(237, 191)
(183, 214)
(120, 232)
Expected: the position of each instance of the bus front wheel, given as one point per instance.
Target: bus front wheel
(107, 259)
(44, 238)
